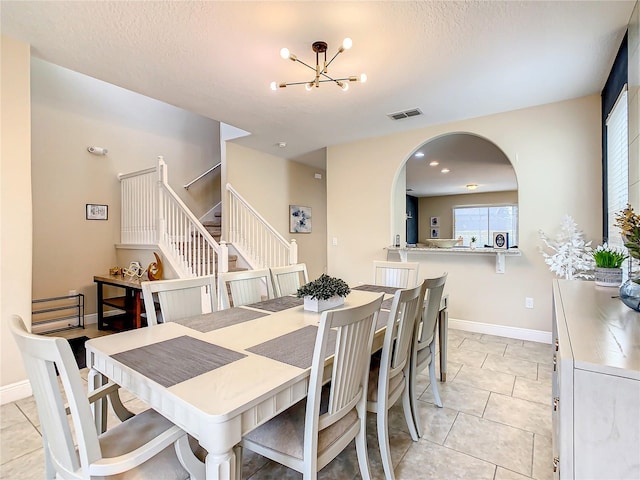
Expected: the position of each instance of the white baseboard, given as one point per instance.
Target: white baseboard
(15, 391)
(501, 330)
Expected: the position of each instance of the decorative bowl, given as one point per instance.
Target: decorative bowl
(442, 242)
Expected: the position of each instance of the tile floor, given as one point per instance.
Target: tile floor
(495, 424)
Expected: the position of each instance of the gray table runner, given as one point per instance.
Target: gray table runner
(173, 361)
(278, 304)
(295, 348)
(377, 288)
(383, 318)
(220, 319)
(386, 305)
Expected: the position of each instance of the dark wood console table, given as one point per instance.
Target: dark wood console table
(130, 303)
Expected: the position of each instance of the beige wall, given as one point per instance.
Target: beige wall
(270, 184)
(15, 204)
(70, 112)
(634, 107)
(442, 207)
(555, 150)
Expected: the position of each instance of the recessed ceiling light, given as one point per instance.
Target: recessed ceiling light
(434, 163)
(419, 154)
(471, 186)
(282, 144)
(445, 170)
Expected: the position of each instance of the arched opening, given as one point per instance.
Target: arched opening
(458, 186)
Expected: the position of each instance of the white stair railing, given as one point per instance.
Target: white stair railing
(254, 238)
(152, 213)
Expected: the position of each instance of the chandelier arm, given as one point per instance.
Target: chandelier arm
(306, 65)
(332, 59)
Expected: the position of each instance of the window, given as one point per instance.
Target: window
(482, 220)
(617, 165)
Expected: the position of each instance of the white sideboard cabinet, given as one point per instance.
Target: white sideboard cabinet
(596, 383)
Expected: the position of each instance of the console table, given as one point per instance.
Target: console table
(596, 383)
(130, 303)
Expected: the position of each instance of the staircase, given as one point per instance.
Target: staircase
(154, 216)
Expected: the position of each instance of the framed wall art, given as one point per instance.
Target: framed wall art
(299, 219)
(435, 221)
(97, 212)
(435, 232)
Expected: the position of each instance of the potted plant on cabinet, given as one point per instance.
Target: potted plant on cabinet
(472, 244)
(608, 261)
(323, 293)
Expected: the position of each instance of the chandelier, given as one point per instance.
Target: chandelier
(321, 73)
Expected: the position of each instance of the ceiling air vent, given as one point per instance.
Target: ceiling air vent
(414, 112)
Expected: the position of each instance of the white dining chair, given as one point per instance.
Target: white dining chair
(390, 371)
(179, 298)
(425, 344)
(395, 274)
(309, 435)
(288, 279)
(142, 446)
(244, 287)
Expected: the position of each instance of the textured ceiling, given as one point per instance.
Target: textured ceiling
(453, 60)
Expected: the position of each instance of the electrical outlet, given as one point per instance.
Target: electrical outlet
(335, 241)
(528, 302)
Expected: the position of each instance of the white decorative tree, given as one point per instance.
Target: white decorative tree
(571, 255)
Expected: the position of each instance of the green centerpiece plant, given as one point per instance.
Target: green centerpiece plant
(629, 223)
(323, 293)
(608, 260)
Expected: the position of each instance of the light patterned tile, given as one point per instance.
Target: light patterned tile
(530, 416)
(497, 339)
(469, 358)
(460, 397)
(512, 365)
(436, 422)
(532, 390)
(545, 372)
(532, 351)
(452, 369)
(492, 442)
(17, 440)
(485, 347)
(504, 474)
(426, 460)
(30, 410)
(486, 379)
(10, 414)
(251, 462)
(542, 457)
(29, 466)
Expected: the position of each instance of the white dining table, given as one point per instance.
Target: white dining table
(220, 375)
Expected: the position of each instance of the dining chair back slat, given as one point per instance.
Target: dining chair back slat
(395, 274)
(245, 287)
(288, 279)
(179, 298)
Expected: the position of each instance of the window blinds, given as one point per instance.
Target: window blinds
(617, 165)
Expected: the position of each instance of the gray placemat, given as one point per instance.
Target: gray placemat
(295, 348)
(176, 360)
(383, 318)
(220, 319)
(386, 305)
(377, 288)
(278, 304)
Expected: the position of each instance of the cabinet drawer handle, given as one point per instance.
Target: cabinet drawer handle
(556, 401)
(554, 362)
(556, 461)
(557, 345)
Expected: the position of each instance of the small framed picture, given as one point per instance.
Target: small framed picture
(501, 240)
(435, 233)
(299, 219)
(97, 212)
(435, 222)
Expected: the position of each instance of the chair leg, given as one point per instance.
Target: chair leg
(434, 381)
(413, 401)
(408, 408)
(361, 447)
(189, 461)
(383, 442)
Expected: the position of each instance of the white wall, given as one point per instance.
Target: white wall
(555, 151)
(15, 211)
(270, 184)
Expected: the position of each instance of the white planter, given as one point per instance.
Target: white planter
(608, 277)
(315, 305)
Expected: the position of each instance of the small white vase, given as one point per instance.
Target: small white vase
(472, 245)
(315, 305)
(608, 277)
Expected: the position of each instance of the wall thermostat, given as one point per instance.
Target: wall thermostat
(501, 240)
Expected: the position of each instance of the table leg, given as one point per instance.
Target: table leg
(100, 306)
(95, 380)
(443, 327)
(221, 466)
(137, 309)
